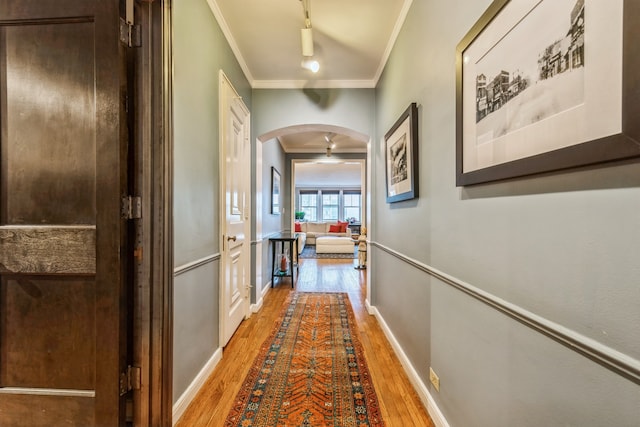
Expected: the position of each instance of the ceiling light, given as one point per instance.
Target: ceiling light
(330, 144)
(311, 64)
(307, 41)
(306, 34)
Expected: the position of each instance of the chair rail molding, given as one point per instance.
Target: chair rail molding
(605, 356)
(192, 265)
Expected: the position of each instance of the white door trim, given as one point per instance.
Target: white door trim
(364, 185)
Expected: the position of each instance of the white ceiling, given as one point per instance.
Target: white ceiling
(315, 142)
(339, 174)
(352, 41)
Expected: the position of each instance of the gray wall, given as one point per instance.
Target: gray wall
(562, 247)
(199, 50)
(272, 156)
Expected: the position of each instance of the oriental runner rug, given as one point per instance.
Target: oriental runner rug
(310, 372)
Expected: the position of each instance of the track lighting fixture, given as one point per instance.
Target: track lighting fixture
(306, 34)
(306, 38)
(330, 144)
(307, 41)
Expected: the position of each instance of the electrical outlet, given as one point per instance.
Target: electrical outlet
(435, 380)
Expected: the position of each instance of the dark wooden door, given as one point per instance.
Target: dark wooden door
(63, 174)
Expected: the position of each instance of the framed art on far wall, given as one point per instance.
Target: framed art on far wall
(546, 85)
(401, 157)
(275, 191)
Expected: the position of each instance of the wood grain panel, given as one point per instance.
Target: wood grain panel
(39, 10)
(46, 411)
(47, 333)
(48, 124)
(64, 167)
(48, 250)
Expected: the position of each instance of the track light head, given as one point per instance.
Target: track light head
(330, 142)
(311, 64)
(306, 36)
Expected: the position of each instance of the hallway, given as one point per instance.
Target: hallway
(399, 403)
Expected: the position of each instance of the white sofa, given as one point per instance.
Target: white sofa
(334, 245)
(309, 231)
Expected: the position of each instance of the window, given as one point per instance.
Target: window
(309, 205)
(330, 206)
(352, 202)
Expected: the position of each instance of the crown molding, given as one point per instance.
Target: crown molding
(217, 13)
(313, 84)
(392, 40)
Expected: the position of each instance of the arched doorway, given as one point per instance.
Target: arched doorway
(298, 143)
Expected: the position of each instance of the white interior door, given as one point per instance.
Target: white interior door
(235, 169)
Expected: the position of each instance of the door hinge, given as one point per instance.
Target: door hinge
(130, 34)
(130, 380)
(131, 207)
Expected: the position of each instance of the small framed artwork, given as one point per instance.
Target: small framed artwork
(275, 191)
(547, 85)
(401, 157)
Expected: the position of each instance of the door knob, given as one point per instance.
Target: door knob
(234, 238)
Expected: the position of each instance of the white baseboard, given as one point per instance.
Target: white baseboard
(370, 309)
(423, 392)
(258, 305)
(190, 393)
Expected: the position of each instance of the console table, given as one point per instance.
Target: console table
(292, 240)
(354, 227)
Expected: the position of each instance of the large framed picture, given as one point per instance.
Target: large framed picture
(401, 157)
(546, 85)
(275, 191)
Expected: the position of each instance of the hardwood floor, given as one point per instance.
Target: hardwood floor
(399, 403)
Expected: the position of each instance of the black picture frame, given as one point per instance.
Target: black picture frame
(275, 191)
(401, 157)
(608, 147)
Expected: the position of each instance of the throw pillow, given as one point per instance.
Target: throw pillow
(334, 229)
(343, 226)
(298, 227)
